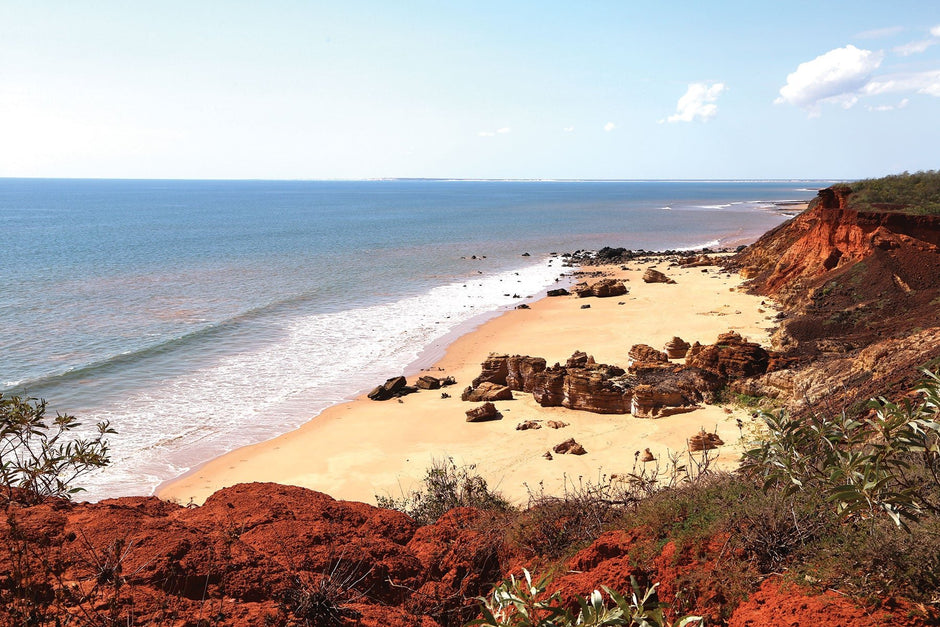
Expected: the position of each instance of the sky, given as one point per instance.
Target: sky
(353, 89)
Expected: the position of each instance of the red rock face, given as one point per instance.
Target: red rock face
(237, 556)
(829, 236)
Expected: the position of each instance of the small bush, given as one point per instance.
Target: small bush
(887, 462)
(520, 603)
(37, 458)
(446, 486)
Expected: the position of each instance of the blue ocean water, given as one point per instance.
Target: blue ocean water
(200, 316)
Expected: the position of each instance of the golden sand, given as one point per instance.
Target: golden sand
(362, 448)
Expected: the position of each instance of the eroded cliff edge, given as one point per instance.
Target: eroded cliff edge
(861, 292)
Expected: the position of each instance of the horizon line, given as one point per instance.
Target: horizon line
(437, 179)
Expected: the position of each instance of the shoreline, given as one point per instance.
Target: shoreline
(360, 448)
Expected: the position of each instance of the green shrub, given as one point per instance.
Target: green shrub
(37, 457)
(446, 486)
(885, 462)
(910, 193)
(520, 603)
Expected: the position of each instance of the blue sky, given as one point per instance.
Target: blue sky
(605, 89)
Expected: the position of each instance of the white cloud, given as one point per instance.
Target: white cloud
(904, 102)
(499, 131)
(935, 31)
(697, 102)
(879, 33)
(915, 47)
(568, 129)
(835, 76)
(918, 82)
(609, 126)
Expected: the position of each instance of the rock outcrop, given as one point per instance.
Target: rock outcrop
(583, 384)
(731, 357)
(495, 370)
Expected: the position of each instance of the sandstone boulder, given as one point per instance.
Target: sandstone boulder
(548, 387)
(570, 447)
(495, 369)
(703, 441)
(558, 292)
(487, 392)
(655, 276)
(556, 424)
(483, 413)
(593, 390)
(677, 348)
(578, 359)
(427, 382)
(396, 386)
(731, 357)
(604, 288)
(648, 401)
(647, 354)
(521, 371)
(528, 424)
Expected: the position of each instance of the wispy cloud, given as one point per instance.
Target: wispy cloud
(486, 134)
(935, 31)
(904, 102)
(568, 129)
(881, 33)
(504, 130)
(927, 82)
(835, 77)
(499, 131)
(698, 102)
(609, 126)
(915, 47)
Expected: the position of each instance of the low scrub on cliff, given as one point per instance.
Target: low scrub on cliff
(522, 603)
(39, 458)
(883, 463)
(917, 193)
(446, 486)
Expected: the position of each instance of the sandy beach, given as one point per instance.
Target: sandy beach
(362, 448)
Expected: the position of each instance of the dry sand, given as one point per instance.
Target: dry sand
(362, 448)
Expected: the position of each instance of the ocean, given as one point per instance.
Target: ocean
(201, 316)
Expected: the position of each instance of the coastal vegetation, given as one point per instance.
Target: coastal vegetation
(38, 456)
(917, 193)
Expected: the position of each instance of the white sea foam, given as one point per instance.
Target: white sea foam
(317, 361)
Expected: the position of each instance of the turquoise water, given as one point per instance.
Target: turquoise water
(199, 316)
